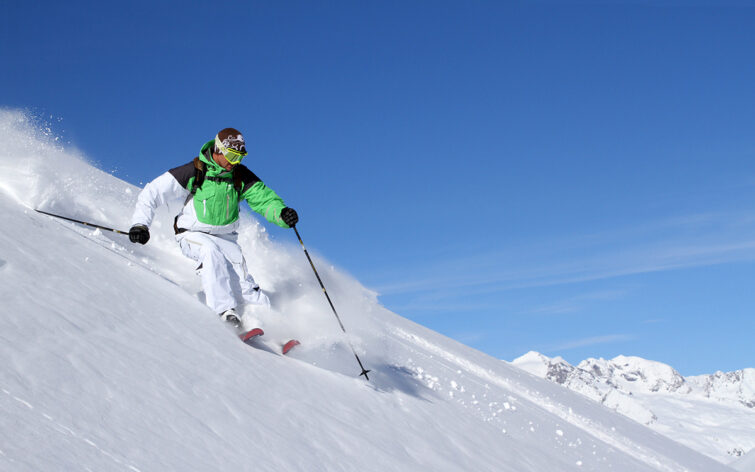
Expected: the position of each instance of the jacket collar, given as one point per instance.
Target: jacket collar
(205, 155)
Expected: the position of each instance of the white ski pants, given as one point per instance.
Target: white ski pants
(225, 280)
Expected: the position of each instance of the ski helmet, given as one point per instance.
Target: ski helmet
(230, 143)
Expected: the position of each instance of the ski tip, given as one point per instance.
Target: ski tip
(251, 334)
(290, 345)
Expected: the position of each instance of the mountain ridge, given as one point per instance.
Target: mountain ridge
(634, 387)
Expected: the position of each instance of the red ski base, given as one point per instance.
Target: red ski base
(249, 335)
(290, 345)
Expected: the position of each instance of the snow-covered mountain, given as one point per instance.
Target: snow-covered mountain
(714, 414)
(727, 387)
(110, 361)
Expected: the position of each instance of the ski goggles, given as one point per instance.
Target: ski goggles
(231, 155)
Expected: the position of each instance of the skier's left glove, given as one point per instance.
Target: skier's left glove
(289, 216)
(138, 234)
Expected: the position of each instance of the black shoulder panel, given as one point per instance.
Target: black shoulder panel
(246, 176)
(183, 173)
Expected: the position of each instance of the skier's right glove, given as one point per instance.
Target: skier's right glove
(138, 234)
(289, 216)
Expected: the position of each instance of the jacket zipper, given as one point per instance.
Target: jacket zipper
(204, 206)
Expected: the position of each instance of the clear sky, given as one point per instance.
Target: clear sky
(576, 178)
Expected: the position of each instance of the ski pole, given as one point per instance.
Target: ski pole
(83, 222)
(364, 371)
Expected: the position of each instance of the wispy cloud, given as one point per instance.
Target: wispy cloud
(576, 303)
(470, 337)
(443, 303)
(678, 243)
(584, 342)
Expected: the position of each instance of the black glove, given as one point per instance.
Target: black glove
(138, 234)
(289, 216)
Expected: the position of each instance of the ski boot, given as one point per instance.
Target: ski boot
(231, 317)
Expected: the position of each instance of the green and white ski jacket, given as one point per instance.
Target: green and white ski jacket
(213, 207)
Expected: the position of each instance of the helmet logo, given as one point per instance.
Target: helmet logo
(235, 142)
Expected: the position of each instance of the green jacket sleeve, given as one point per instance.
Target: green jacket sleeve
(266, 202)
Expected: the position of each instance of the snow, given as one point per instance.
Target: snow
(738, 386)
(712, 414)
(745, 463)
(110, 360)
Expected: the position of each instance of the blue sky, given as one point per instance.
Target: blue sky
(576, 178)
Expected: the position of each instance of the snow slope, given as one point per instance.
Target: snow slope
(745, 463)
(110, 360)
(713, 414)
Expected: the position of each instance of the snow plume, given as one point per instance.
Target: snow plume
(110, 360)
(41, 173)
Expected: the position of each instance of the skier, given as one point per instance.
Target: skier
(205, 193)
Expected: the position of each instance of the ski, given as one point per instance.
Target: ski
(290, 345)
(251, 334)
